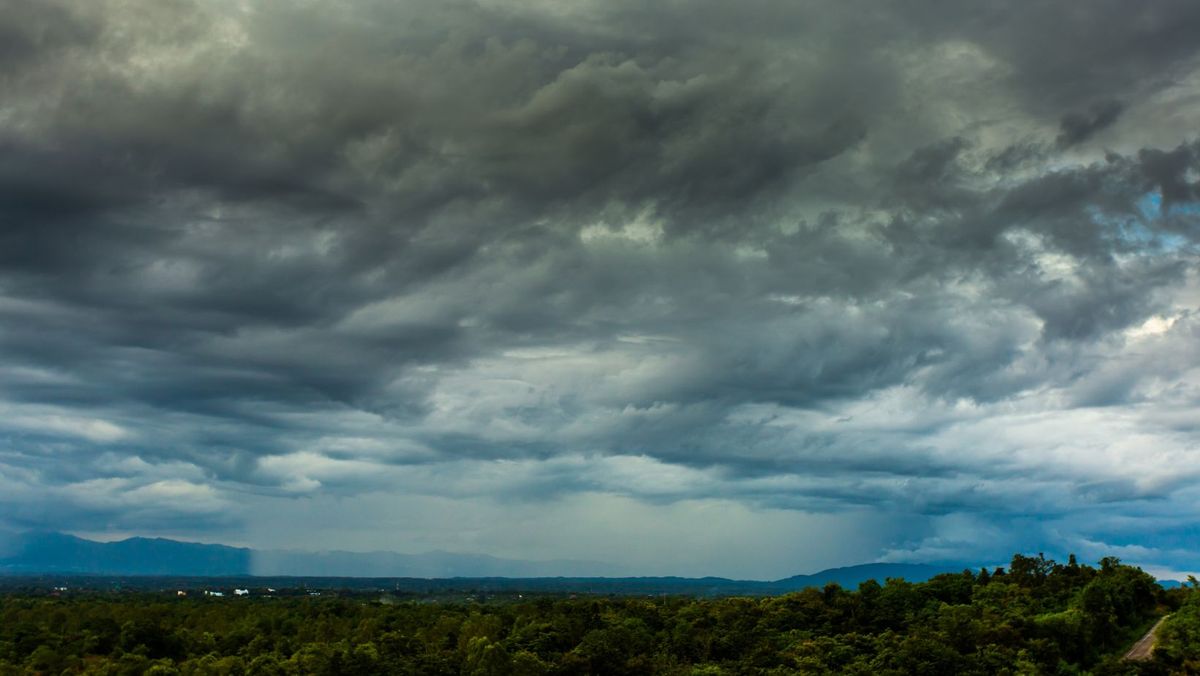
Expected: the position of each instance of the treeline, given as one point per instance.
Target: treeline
(1036, 617)
(1178, 649)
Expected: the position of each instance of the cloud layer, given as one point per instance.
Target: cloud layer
(924, 276)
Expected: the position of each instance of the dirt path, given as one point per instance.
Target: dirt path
(1141, 650)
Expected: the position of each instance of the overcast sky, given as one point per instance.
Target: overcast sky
(744, 289)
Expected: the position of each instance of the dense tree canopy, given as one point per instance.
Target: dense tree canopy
(1036, 617)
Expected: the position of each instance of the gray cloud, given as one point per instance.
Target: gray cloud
(801, 259)
(1079, 127)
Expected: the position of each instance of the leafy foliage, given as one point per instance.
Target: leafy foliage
(1178, 648)
(1038, 617)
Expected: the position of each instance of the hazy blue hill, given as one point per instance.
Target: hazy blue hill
(851, 576)
(59, 553)
(39, 553)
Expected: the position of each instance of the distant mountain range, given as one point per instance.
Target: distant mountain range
(58, 553)
(33, 554)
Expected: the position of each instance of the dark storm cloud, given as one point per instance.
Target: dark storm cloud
(37, 30)
(1079, 127)
(1173, 173)
(800, 256)
(1061, 57)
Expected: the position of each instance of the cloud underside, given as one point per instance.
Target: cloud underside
(796, 260)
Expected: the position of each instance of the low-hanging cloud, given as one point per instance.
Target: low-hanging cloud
(484, 255)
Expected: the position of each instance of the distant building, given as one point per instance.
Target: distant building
(241, 592)
(181, 593)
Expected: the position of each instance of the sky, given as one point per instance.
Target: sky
(693, 287)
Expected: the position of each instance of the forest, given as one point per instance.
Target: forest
(1036, 616)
